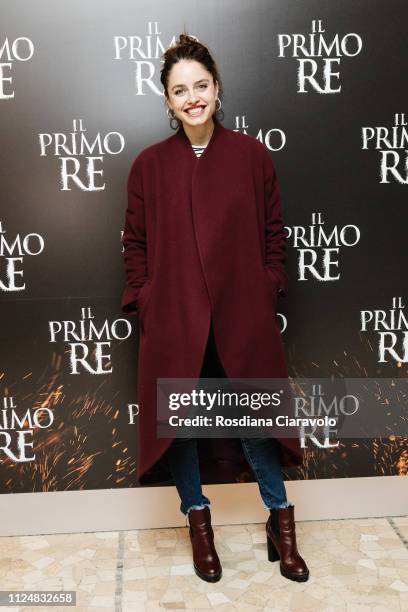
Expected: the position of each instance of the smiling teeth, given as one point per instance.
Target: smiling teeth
(197, 111)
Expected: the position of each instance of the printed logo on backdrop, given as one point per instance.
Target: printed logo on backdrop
(392, 144)
(88, 344)
(318, 57)
(18, 50)
(145, 52)
(391, 327)
(319, 247)
(133, 412)
(17, 429)
(13, 250)
(273, 138)
(81, 156)
(317, 405)
(337, 406)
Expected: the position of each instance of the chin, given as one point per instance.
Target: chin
(192, 122)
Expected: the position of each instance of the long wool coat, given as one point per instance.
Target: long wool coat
(204, 240)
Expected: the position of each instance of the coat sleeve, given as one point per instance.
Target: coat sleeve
(134, 241)
(275, 235)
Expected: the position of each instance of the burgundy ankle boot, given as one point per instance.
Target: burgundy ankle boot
(281, 540)
(207, 565)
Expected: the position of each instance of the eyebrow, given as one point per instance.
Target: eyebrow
(182, 85)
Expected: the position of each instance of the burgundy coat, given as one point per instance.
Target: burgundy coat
(204, 238)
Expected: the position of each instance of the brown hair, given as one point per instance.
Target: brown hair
(189, 48)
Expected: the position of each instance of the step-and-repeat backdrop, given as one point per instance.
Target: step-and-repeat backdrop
(322, 85)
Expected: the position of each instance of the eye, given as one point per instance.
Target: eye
(178, 91)
(203, 86)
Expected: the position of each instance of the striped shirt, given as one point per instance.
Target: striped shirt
(198, 149)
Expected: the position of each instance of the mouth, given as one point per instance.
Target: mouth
(196, 111)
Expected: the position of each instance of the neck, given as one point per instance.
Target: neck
(200, 134)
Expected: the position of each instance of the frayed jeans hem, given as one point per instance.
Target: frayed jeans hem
(277, 506)
(197, 508)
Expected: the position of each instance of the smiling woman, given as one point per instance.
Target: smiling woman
(204, 251)
(192, 86)
(194, 102)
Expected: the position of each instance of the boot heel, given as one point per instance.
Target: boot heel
(273, 554)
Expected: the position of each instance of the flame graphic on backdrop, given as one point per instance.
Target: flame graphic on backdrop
(69, 455)
(88, 446)
(385, 456)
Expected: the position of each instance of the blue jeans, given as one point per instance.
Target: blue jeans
(262, 456)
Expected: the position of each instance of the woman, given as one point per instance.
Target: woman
(204, 254)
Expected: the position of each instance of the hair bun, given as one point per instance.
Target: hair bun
(187, 39)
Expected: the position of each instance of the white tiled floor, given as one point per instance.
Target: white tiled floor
(355, 565)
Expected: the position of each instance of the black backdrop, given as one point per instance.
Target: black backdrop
(71, 68)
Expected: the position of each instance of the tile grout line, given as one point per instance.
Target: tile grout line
(119, 572)
(397, 531)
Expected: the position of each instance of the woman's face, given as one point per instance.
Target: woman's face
(191, 86)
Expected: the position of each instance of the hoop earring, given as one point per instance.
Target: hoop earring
(218, 112)
(172, 116)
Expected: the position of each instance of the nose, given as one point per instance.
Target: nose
(192, 96)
